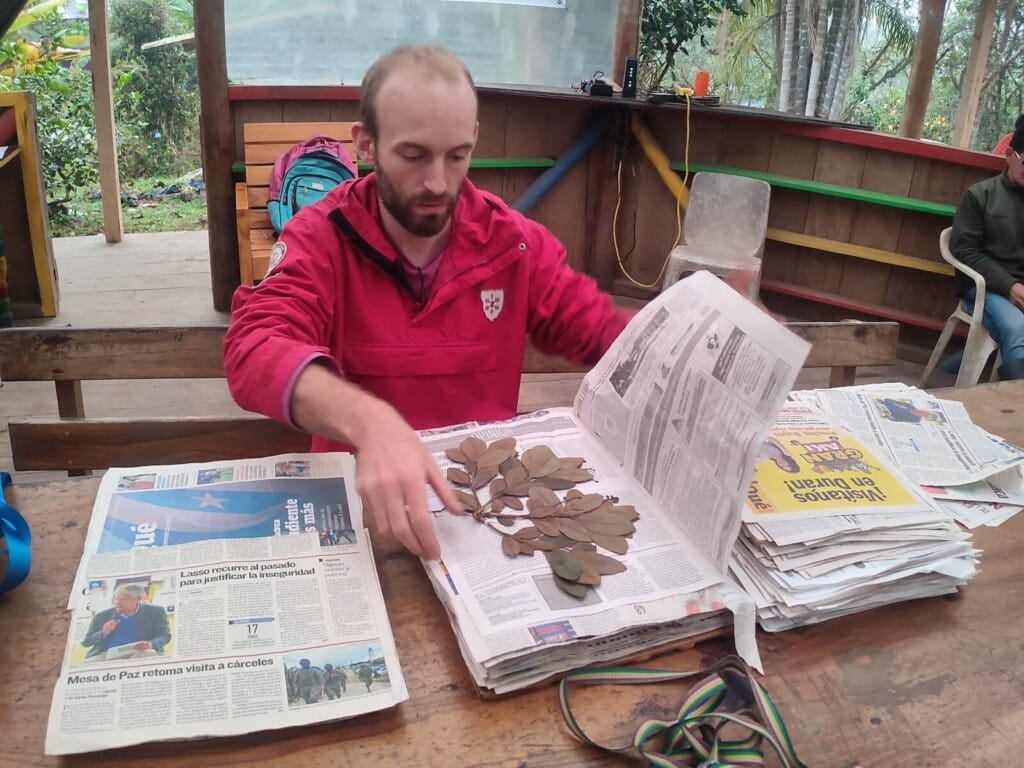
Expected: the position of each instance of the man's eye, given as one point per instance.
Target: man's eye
(412, 157)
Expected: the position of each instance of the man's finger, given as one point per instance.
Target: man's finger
(398, 518)
(420, 521)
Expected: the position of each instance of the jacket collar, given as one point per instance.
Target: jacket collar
(482, 225)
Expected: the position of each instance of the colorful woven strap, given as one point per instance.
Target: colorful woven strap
(16, 541)
(728, 694)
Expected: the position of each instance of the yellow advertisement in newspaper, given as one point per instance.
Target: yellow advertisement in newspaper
(818, 469)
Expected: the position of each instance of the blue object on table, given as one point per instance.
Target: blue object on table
(16, 541)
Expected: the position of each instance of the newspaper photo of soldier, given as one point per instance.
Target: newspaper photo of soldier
(622, 376)
(215, 475)
(333, 673)
(132, 619)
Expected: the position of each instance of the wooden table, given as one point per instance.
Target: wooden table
(936, 682)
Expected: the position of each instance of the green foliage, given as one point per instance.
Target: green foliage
(668, 26)
(156, 99)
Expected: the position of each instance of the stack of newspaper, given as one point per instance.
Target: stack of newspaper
(832, 526)
(670, 421)
(223, 598)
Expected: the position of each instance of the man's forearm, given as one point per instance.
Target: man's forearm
(323, 403)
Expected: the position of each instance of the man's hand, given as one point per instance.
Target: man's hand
(392, 469)
(1017, 295)
(144, 645)
(109, 627)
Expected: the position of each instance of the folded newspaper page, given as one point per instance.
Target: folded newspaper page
(933, 441)
(670, 422)
(810, 467)
(153, 507)
(226, 598)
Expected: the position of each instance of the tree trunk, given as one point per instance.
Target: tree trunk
(922, 68)
(970, 92)
(835, 55)
(851, 53)
(790, 42)
(817, 54)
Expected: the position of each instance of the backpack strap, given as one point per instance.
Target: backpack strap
(729, 695)
(16, 540)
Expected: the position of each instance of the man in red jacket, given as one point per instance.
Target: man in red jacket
(402, 300)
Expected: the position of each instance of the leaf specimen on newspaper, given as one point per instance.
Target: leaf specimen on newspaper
(568, 529)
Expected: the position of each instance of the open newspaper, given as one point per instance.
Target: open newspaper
(223, 598)
(670, 421)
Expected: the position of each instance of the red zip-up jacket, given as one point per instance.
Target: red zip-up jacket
(340, 294)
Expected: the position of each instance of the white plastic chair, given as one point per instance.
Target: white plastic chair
(980, 345)
(724, 230)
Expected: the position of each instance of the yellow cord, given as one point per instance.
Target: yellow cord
(679, 221)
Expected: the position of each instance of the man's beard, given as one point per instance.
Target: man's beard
(419, 224)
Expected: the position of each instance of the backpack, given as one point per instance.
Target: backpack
(305, 174)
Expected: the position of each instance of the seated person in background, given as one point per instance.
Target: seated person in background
(401, 301)
(129, 622)
(1004, 142)
(988, 236)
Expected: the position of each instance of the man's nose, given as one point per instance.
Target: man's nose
(434, 181)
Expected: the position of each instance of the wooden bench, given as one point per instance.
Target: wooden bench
(264, 143)
(76, 443)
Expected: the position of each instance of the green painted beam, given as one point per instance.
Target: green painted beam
(480, 162)
(832, 190)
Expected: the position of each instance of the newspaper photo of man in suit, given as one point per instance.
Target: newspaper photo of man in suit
(132, 627)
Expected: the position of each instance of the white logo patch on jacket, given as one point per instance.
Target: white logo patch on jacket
(277, 254)
(493, 302)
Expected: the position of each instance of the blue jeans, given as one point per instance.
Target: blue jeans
(1004, 322)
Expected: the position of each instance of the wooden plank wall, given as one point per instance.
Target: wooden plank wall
(579, 210)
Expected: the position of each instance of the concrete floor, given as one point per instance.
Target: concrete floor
(164, 278)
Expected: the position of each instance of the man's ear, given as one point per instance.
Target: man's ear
(365, 146)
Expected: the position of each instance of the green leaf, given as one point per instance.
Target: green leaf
(564, 564)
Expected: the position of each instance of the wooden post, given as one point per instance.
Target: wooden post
(970, 91)
(922, 68)
(627, 36)
(103, 108)
(218, 150)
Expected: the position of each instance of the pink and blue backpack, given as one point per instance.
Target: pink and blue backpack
(305, 174)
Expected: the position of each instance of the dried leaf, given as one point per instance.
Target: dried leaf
(540, 511)
(469, 502)
(483, 476)
(458, 476)
(627, 511)
(564, 564)
(591, 501)
(513, 502)
(544, 496)
(493, 457)
(473, 448)
(616, 544)
(547, 527)
(573, 530)
(571, 462)
(573, 494)
(505, 442)
(526, 548)
(584, 546)
(506, 520)
(554, 483)
(571, 587)
(509, 546)
(456, 455)
(560, 541)
(590, 575)
(516, 475)
(497, 487)
(549, 467)
(497, 505)
(519, 489)
(603, 564)
(545, 543)
(527, 533)
(535, 458)
(509, 464)
(606, 523)
(470, 466)
(573, 475)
